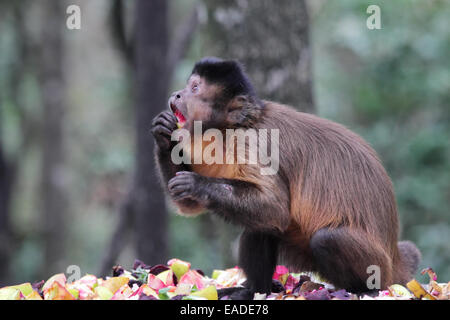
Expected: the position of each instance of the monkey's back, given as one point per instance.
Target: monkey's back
(335, 178)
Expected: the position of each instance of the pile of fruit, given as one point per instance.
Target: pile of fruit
(177, 280)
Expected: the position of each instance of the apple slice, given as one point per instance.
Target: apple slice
(33, 296)
(9, 293)
(57, 292)
(103, 293)
(166, 277)
(60, 278)
(397, 290)
(113, 284)
(25, 288)
(179, 267)
(145, 289)
(216, 273)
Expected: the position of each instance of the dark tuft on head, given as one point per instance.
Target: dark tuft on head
(228, 73)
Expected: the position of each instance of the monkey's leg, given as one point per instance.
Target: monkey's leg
(343, 255)
(258, 254)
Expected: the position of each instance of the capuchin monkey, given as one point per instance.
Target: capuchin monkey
(329, 208)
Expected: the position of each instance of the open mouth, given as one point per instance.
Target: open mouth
(181, 120)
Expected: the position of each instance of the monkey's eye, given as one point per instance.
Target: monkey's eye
(194, 88)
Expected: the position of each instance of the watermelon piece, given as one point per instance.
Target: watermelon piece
(192, 277)
(154, 282)
(281, 274)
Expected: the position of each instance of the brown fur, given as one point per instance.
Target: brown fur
(334, 178)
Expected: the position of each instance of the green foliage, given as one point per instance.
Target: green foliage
(393, 87)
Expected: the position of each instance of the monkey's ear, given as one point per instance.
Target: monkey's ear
(237, 102)
(235, 109)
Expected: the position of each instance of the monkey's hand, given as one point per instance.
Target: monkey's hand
(189, 185)
(162, 127)
(204, 190)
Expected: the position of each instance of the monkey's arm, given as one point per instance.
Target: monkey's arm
(240, 202)
(162, 128)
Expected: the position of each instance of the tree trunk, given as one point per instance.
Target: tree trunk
(271, 38)
(151, 49)
(6, 179)
(54, 204)
(153, 64)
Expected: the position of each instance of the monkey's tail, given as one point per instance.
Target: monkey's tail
(410, 256)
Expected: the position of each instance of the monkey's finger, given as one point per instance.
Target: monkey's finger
(165, 123)
(182, 196)
(164, 115)
(179, 188)
(161, 130)
(176, 181)
(185, 173)
(169, 116)
(179, 193)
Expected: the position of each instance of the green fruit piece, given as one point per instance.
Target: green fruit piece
(162, 294)
(103, 293)
(9, 293)
(209, 293)
(74, 292)
(25, 288)
(216, 273)
(166, 277)
(179, 267)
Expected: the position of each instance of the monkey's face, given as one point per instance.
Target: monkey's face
(198, 101)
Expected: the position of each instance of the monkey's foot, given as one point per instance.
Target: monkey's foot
(370, 293)
(236, 293)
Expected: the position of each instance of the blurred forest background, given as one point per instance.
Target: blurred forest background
(77, 185)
